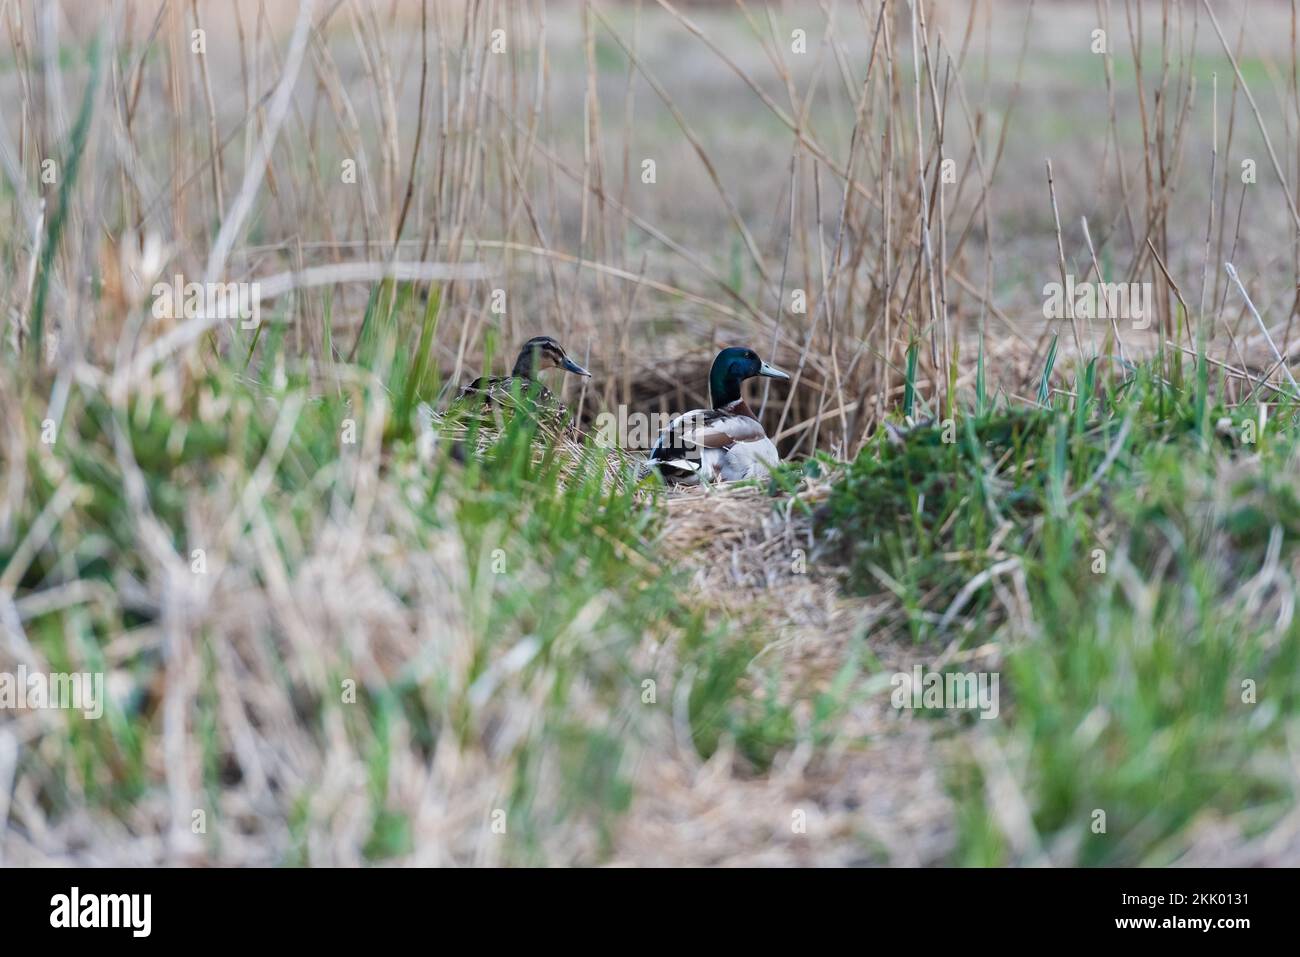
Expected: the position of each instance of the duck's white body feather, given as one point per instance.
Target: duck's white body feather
(714, 445)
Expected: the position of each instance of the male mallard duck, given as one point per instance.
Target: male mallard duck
(724, 443)
(538, 353)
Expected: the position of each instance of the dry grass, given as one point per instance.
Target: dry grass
(878, 796)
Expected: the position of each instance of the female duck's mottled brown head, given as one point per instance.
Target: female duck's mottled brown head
(543, 352)
(537, 354)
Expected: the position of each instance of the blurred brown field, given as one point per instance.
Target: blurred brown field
(530, 160)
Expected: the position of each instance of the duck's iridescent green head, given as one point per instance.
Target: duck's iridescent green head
(732, 367)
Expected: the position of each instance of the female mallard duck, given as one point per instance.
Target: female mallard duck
(724, 443)
(538, 353)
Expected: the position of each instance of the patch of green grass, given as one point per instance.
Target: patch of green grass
(1154, 675)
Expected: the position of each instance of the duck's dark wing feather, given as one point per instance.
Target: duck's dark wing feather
(489, 387)
(483, 384)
